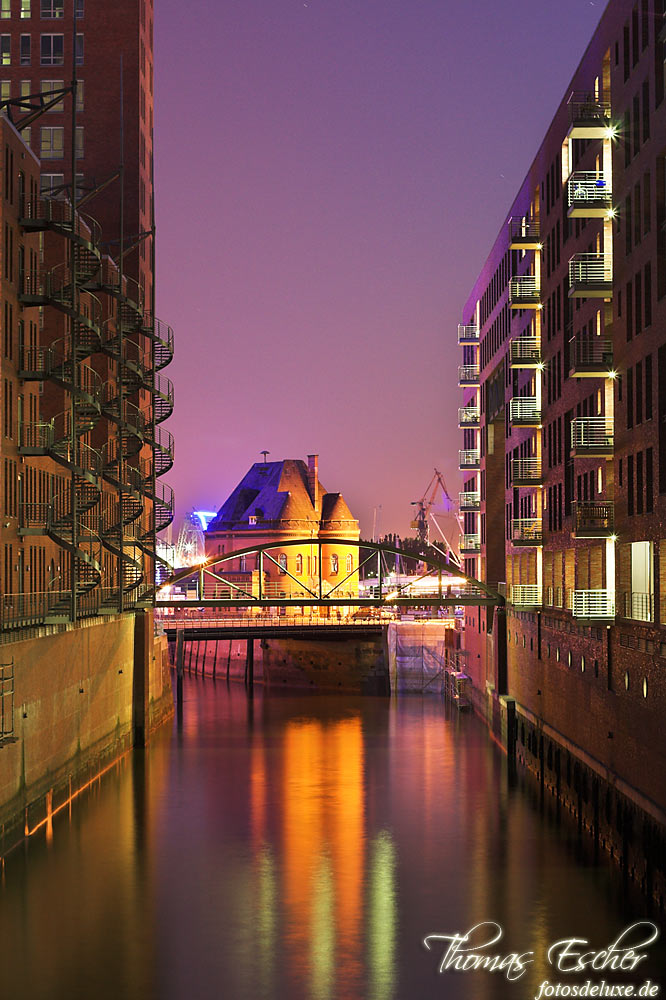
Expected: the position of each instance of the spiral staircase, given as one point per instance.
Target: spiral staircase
(112, 501)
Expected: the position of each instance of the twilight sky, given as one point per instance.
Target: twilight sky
(330, 176)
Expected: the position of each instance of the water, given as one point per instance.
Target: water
(302, 847)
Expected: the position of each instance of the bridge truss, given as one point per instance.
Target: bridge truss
(259, 577)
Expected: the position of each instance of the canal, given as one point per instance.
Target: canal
(302, 847)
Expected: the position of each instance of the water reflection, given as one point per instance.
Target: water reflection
(301, 853)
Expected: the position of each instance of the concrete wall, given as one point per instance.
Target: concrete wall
(76, 711)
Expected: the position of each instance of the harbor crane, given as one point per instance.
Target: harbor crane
(424, 514)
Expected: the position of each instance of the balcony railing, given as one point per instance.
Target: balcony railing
(592, 604)
(591, 356)
(468, 334)
(589, 193)
(640, 607)
(592, 436)
(525, 292)
(526, 594)
(524, 235)
(526, 471)
(591, 276)
(469, 501)
(589, 117)
(470, 544)
(525, 352)
(526, 531)
(524, 411)
(594, 520)
(470, 458)
(468, 375)
(469, 416)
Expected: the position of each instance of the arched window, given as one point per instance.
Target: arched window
(283, 562)
(350, 563)
(299, 563)
(334, 564)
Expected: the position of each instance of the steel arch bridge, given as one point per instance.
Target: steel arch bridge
(436, 582)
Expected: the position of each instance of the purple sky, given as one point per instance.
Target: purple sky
(330, 176)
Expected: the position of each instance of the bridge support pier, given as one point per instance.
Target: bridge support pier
(180, 658)
(249, 665)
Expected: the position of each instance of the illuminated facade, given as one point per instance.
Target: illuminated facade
(281, 502)
(563, 420)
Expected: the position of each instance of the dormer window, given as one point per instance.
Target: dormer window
(252, 519)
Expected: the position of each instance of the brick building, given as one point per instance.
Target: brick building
(564, 440)
(279, 502)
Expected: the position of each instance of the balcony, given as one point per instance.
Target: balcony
(591, 276)
(595, 605)
(589, 194)
(526, 472)
(469, 416)
(470, 458)
(526, 595)
(525, 352)
(525, 292)
(639, 607)
(468, 375)
(591, 356)
(469, 501)
(468, 334)
(524, 411)
(470, 545)
(589, 117)
(526, 531)
(592, 437)
(524, 235)
(594, 520)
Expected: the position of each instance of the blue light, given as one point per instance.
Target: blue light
(204, 517)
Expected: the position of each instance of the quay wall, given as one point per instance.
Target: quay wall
(571, 712)
(83, 696)
(354, 663)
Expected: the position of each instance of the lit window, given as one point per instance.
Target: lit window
(52, 143)
(5, 89)
(25, 50)
(79, 50)
(282, 560)
(5, 50)
(48, 86)
(25, 8)
(5, 9)
(299, 563)
(25, 90)
(334, 564)
(350, 563)
(52, 52)
(52, 8)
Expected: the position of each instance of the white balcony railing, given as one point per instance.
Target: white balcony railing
(526, 530)
(468, 374)
(468, 334)
(592, 604)
(524, 410)
(469, 501)
(526, 594)
(590, 187)
(525, 289)
(469, 458)
(469, 416)
(526, 350)
(591, 269)
(526, 470)
(591, 433)
(470, 543)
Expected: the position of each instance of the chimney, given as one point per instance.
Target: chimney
(313, 481)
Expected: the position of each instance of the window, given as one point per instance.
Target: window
(25, 8)
(334, 564)
(78, 8)
(350, 563)
(282, 561)
(24, 57)
(5, 9)
(25, 89)
(52, 8)
(52, 51)
(79, 142)
(79, 50)
(51, 143)
(5, 89)
(299, 563)
(79, 95)
(5, 50)
(48, 86)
